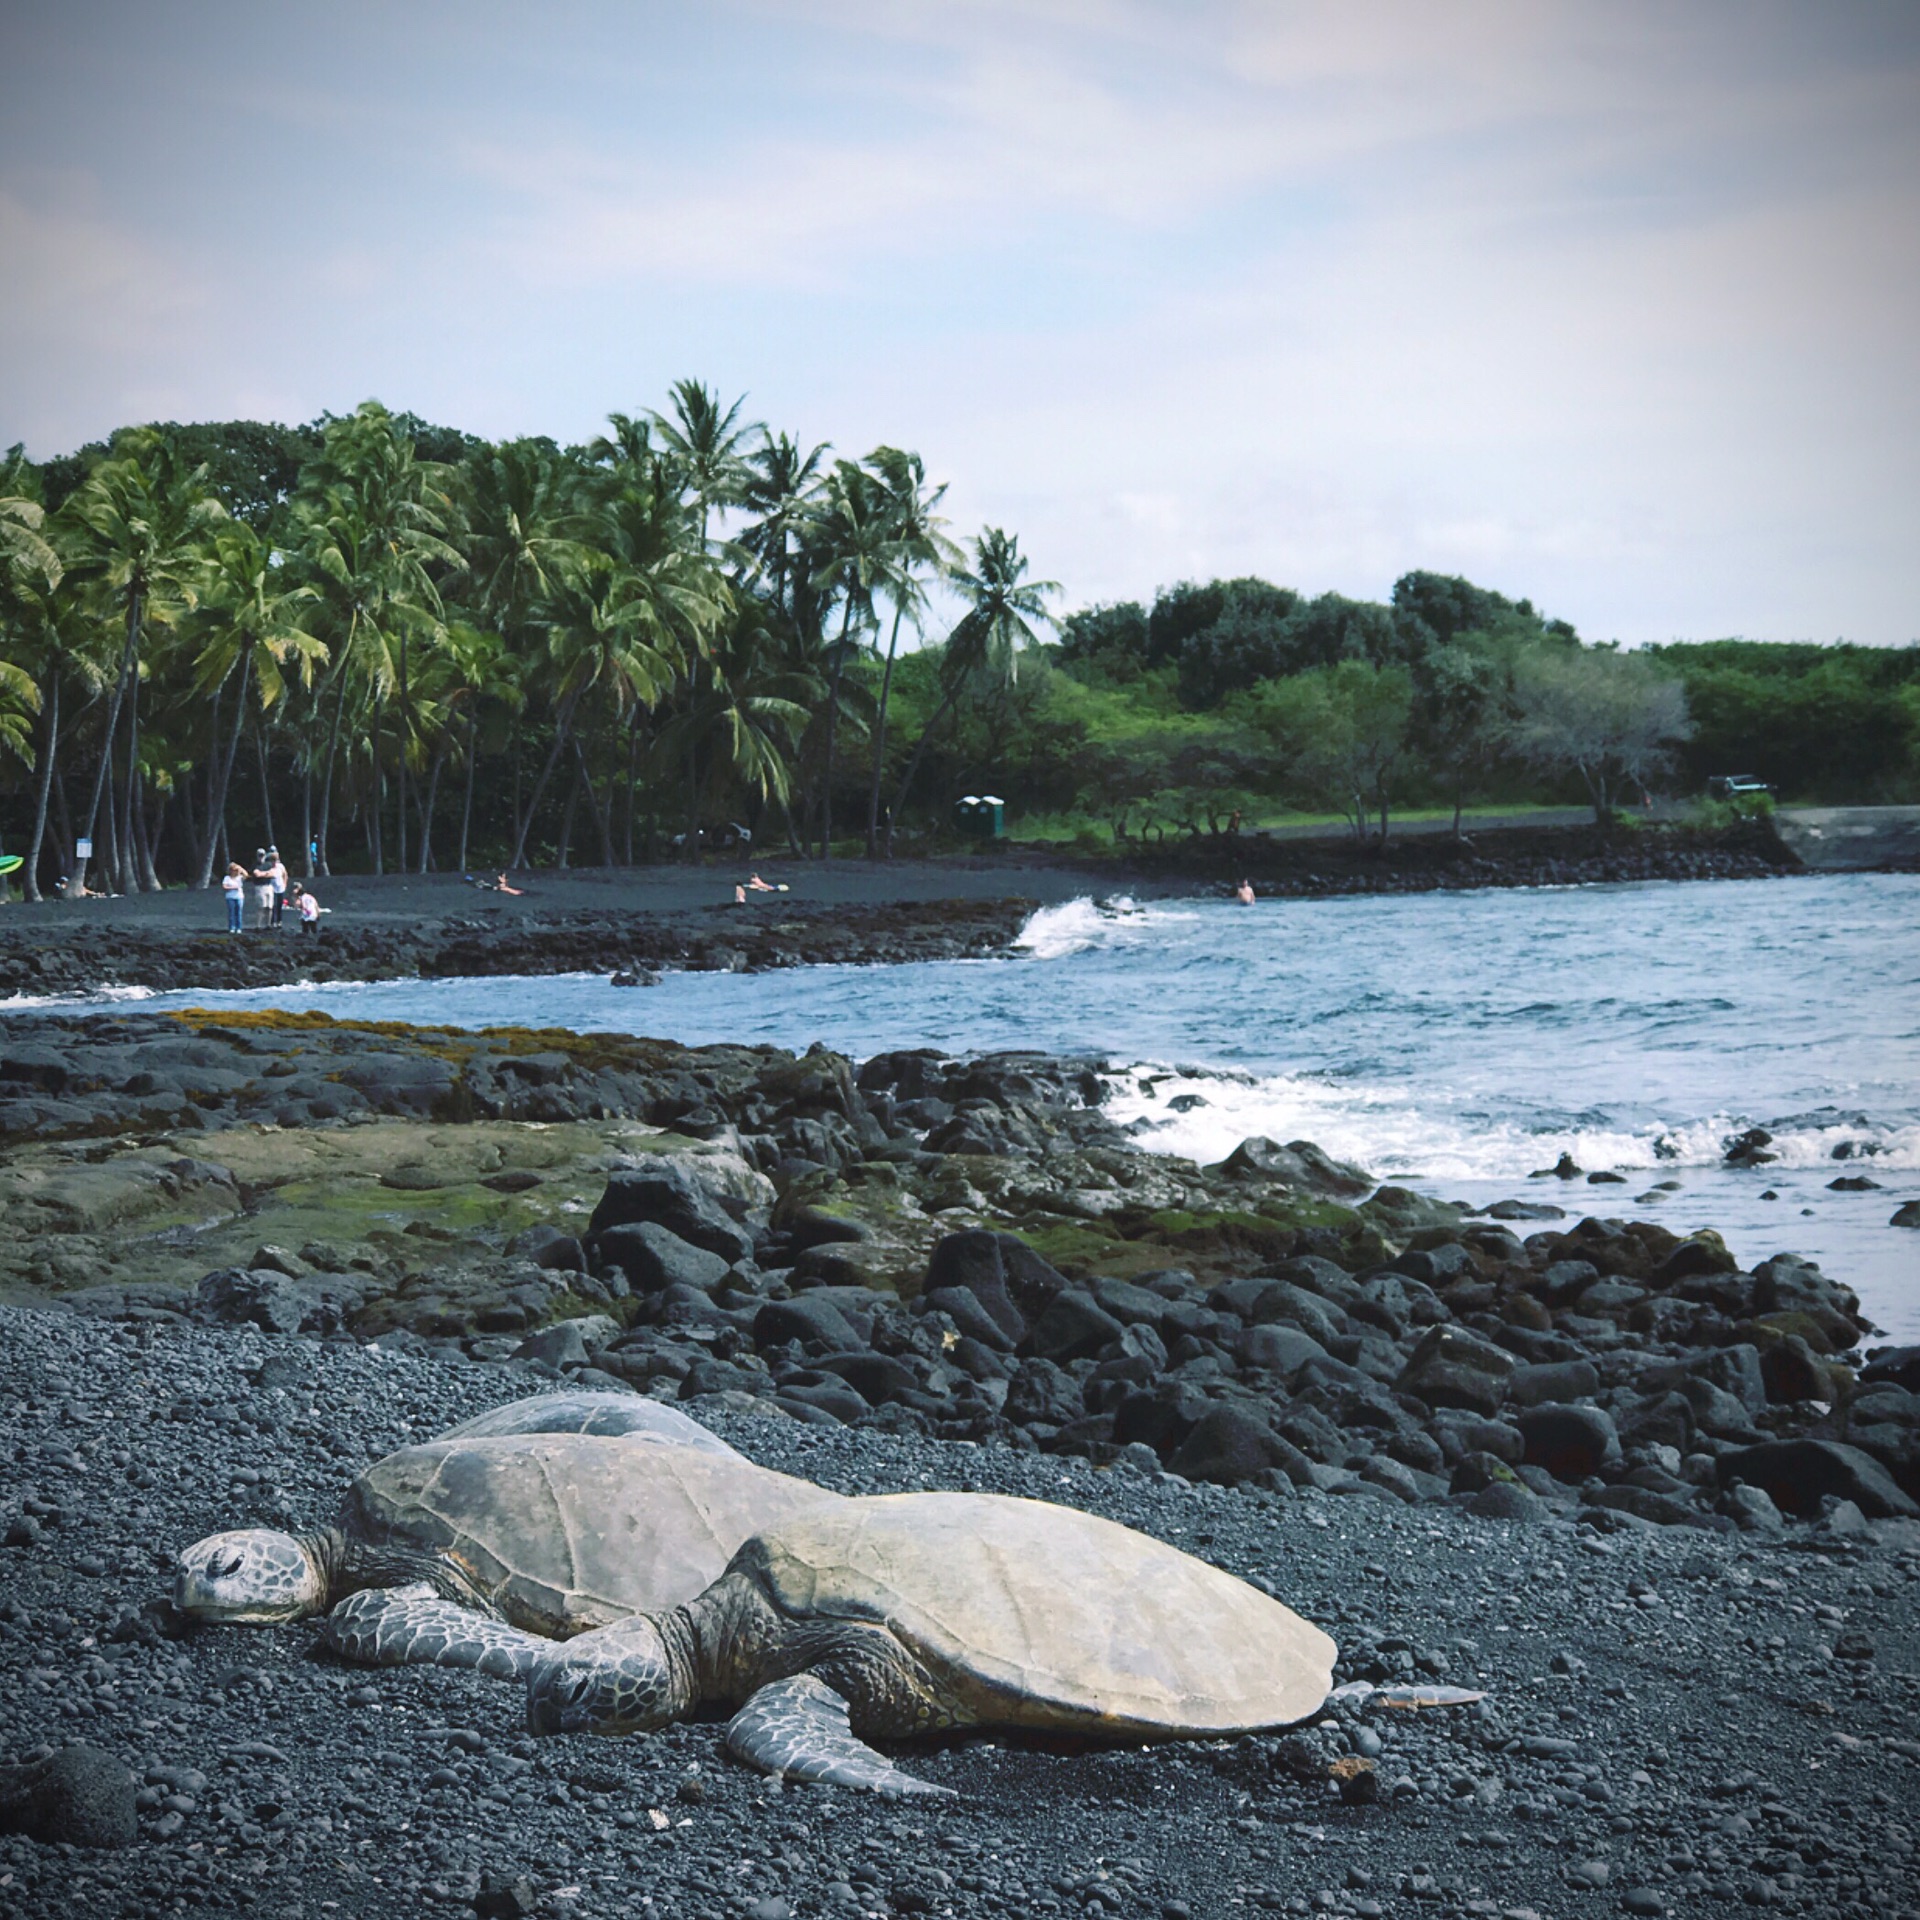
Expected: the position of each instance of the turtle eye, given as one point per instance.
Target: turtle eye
(226, 1572)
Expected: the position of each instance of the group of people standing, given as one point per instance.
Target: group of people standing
(272, 893)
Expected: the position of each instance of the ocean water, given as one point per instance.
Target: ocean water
(1456, 1042)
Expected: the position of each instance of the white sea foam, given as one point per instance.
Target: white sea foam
(1076, 925)
(100, 996)
(1394, 1135)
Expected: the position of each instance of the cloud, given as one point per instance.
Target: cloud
(85, 295)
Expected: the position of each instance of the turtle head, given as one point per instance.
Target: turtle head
(618, 1679)
(255, 1574)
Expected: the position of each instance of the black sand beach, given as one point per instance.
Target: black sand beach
(637, 919)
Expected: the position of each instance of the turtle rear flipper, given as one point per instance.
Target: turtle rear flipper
(800, 1727)
(413, 1626)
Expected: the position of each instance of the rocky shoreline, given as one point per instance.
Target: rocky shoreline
(54, 959)
(1496, 857)
(1663, 1509)
(634, 924)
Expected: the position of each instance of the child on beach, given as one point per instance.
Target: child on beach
(308, 908)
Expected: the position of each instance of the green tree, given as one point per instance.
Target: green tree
(781, 495)
(852, 551)
(249, 624)
(1341, 733)
(919, 545)
(134, 533)
(703, 447)
(985, 643)
(1613, 718)
(375, 521)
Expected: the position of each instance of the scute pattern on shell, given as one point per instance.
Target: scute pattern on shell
(566, 1532)
(1050, 1616)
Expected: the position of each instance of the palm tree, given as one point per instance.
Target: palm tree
(30, 573)
(376, 521)
(919, 542)
(518, 502)
(702, 447)
(136, 528)
(626, 625)
(251, 616)
(781, 488)
(986, 642)
(751, 707)
(851, 544)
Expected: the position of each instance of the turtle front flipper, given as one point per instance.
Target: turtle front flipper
(800, 1727)
(413, 1626)
(1358, 1693)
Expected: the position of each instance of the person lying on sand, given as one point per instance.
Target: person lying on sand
(757, 885)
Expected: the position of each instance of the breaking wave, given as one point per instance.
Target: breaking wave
(1396, 1134)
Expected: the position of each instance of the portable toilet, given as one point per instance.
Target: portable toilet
(981, 816)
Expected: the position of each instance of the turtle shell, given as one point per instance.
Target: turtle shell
(567, 1531)
(1042, 1616)
(629, 1416)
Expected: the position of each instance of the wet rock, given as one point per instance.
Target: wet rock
(686, 1197)
(963, 1307)
(1000, 1270)
(1044, 1392)
(1227, 1446)
(78, 1797)
(654, 1257)
(1298, 1164)
(1278, 1349)
(1072, 1326)
(1561, 1380)
(1507, 1500)
(266, 1299)
(1572, 1443)
(811, 1318)
(1798, 1474)
(1450, 1368)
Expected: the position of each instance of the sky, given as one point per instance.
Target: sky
(1613, 306)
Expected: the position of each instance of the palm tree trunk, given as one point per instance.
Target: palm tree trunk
(466, 805)
(266, 793)
(602, 817)
(633, 775)
(333, 740)
(563, 726)
(378, 773)
(426, 811)
(880, 741)
(223, 772)
(147, 837)
(113, 722)
(566, 824)
(400, 768)
(306, 813)
(833, 723)
(43, 785)
(126, 865)
(919, 753)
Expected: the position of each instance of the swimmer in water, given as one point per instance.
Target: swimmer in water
(1244, 893)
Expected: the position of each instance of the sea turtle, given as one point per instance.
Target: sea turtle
(557, 1514)
(904, 1614)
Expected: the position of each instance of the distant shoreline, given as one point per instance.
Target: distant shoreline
(845, 911)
